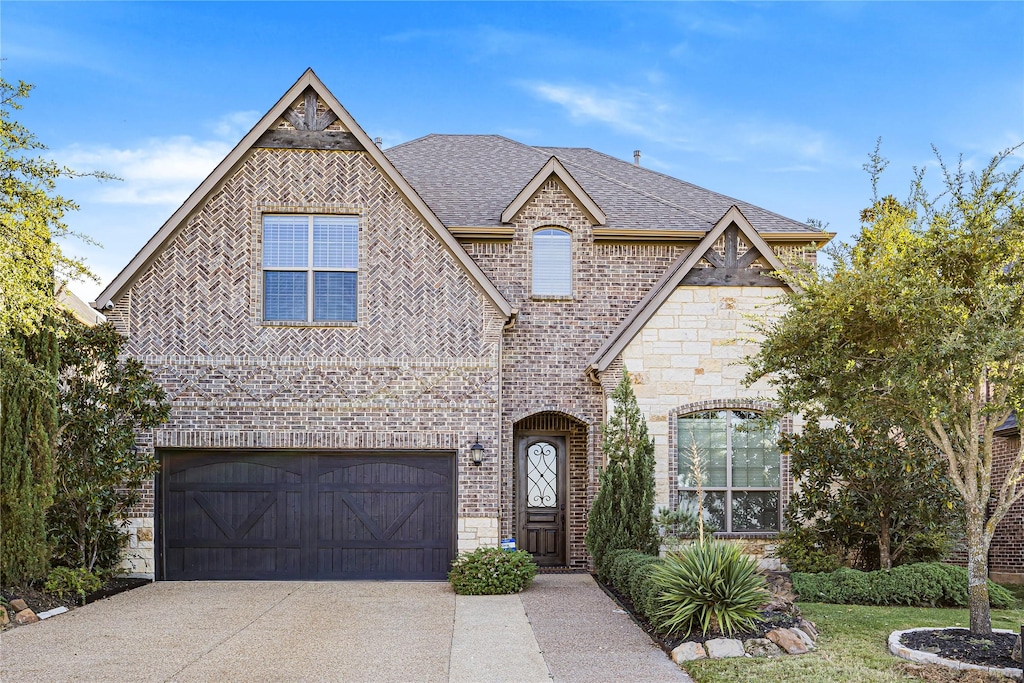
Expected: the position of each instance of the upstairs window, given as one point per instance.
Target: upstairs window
(552, 262)
(310, 268)
(740, 468)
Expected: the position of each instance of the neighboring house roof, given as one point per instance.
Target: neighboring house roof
(469, 180)
(78, 308)
(223, 170)
(672, 278)
(1009, 428)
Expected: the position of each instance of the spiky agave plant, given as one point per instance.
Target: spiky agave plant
(708, 586)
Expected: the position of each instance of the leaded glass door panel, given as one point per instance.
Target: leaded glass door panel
(541, 493)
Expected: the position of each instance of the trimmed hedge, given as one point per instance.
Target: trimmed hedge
(924, 584)
(629, 572)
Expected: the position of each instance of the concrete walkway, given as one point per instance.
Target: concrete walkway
(562, 628)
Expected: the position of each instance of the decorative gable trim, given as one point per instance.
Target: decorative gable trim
(554, 167)
(311, 124)
(733, 221)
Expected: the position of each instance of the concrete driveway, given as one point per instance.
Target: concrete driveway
(340, 631)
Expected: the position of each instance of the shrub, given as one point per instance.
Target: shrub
(925, 584)
(607, 564)
(80, 581)
(629, 572)
(622, 514)
(708, 586)
(492, 571)
(807, 549)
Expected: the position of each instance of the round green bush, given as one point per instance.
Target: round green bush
(709, 586)
(492, 571)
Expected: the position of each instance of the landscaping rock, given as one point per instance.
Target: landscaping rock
(687, 652)
(25, 616)
(723, 648)
(809, 628)
(18, 605)
(788, 641)
(1016, 655)
(761, 647)
(808, 641)
(783, 598)
(4, 617)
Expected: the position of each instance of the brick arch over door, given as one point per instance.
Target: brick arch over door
(579, 460)
(786, 426)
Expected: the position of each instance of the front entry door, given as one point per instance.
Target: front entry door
(541, 493)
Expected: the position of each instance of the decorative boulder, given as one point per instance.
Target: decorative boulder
(687, 652)
(723, 648)
(761, 647)
(788, 641)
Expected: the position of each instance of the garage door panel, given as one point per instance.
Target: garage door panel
(367, 515)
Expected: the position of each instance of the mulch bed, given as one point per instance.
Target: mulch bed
(40, 600)
(772, 620)
(958, 644)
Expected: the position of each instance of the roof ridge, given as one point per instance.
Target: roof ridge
(732, 200)
(618, 182)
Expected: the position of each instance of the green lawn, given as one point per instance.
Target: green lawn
(852, 646)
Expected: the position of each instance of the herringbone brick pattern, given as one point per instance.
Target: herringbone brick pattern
(419, 369)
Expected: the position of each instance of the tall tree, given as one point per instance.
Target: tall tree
(31, 223)
(922, 319)
(622, 515)
(28, 421)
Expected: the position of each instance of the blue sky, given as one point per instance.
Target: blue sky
(777, 104)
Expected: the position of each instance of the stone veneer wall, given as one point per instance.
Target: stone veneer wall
(545, 354)
(419, 370)
(689, 357)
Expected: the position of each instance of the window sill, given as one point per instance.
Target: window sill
(303, 323)
(749, 535)
(551, 297)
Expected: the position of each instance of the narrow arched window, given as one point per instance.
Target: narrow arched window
(552, 262)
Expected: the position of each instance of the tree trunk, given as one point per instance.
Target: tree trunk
(884, 542)
(977, 572)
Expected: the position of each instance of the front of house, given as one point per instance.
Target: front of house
(376, 359)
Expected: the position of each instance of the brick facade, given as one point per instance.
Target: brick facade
(1006, 555)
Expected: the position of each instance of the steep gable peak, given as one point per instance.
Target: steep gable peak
(555, 168)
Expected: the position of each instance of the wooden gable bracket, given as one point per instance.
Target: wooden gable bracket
(732, 269)
(310, 130)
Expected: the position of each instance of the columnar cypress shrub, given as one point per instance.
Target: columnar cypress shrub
(622, 515)
(28, 423)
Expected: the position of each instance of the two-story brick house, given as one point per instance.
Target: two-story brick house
(379, 358)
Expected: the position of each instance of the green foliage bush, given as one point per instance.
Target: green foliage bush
(807, 549)
(104, 399)
(629, 572)
(80, 581)
(492, 571)
(709, 586)
(924, 584)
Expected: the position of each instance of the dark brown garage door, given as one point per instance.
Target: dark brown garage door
(302, 515)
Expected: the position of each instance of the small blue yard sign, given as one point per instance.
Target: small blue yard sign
(508, 544)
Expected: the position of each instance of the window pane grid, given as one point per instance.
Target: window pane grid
(740, 469)
(310, 268)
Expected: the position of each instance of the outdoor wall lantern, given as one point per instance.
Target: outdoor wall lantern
(477, 451)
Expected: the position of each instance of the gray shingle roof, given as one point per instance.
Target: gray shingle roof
(468, 180)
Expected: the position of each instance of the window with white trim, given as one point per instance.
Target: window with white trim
(310, 268)
(740, 469)
(552, 262)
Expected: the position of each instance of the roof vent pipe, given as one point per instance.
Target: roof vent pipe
(378, 141)
(636, 157)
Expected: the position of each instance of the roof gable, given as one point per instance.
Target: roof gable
(304, 123)
(679, 272)
(554, 167)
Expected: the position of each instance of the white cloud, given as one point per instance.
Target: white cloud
(669, 121)
(235, 125)
(159, 171)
